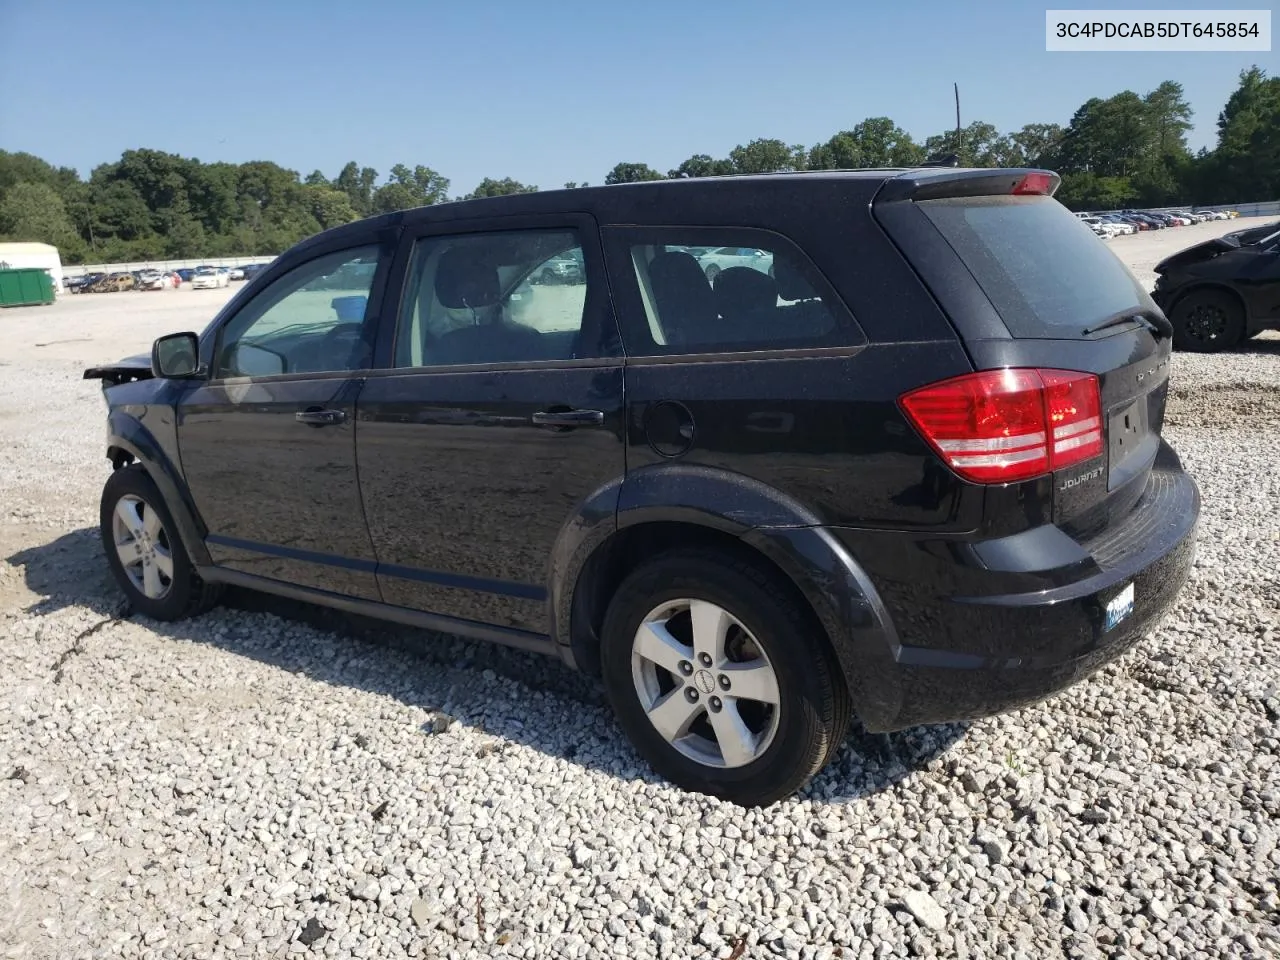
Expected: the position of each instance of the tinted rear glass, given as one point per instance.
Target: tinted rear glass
(1045, 271)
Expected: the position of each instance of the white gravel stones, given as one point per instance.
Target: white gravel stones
(996, 849)
(925, 909)
(1135, 816)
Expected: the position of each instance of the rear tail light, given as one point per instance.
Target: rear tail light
(1000, 426)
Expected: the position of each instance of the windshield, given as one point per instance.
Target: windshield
(1254, 235)
(1045, 271)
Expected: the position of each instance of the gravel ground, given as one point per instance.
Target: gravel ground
(273, 780)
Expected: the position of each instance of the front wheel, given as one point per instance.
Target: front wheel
(721, 678)
(1206, 321)
(145, 552)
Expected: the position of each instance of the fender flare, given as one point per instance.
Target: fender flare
(126, 432)
(764, 520)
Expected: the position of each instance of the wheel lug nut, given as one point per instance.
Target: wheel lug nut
(715, 704)
(704, 659)
(691, 694)
(724, 682)
(686, 667)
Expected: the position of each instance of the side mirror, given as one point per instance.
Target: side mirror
(176, 356)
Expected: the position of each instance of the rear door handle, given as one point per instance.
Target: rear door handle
(568, 418)
(320, 418)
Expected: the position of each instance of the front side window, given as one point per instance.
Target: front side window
(755, 292)
(511, 297)
(311, 320)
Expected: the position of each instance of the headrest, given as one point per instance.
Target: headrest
(742, 290)
(792, 284)
(682, 295)
(466, 279)
(675, 269)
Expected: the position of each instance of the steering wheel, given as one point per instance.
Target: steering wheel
(329, 343)
(344, 330)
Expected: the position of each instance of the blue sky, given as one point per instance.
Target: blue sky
(543, 92)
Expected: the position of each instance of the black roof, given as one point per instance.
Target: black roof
(691, 200)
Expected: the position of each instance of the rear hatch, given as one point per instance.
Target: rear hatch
(1028, 285)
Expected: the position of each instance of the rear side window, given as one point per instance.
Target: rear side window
(1044, 270)
(714, 291)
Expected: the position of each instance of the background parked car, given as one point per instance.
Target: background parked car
(209, 278)
(561, 269)
(1223, 291)
(1103, 228)
(253, 269)
(236, 273)
(83, 283)
(719, 259)
(1126, 226)
(112, 283)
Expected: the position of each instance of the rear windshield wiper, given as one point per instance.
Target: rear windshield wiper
(1158, 326)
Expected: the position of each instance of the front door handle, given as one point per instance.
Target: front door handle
(318, 417)
(568, 418)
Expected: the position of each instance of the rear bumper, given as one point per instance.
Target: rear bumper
(969, 654)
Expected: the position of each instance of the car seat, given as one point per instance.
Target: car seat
(464, 278)
(748, 304)
(682, 295)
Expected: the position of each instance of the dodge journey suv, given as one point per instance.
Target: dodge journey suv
(905, 466)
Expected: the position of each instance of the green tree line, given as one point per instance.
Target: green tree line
(1126, 150)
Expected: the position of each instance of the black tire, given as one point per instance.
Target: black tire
(814, 705)
(187, 594)
(1206, 321)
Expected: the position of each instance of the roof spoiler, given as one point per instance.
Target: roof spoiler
(935, 183)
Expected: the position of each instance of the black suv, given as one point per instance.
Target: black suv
(904, 464)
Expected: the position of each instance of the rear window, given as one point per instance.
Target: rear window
(1044, 270)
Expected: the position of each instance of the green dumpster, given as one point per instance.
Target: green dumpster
(25, 287)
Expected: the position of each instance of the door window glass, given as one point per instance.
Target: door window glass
(515, 296)
(740, 296)
(311, 320)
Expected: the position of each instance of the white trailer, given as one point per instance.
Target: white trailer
(18, 256)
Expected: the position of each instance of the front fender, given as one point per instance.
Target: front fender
(127, 432)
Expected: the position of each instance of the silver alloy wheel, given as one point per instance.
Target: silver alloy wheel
(142, 545)
(705, 683)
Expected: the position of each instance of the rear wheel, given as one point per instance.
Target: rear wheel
(144, 551)
(1206, 321)
(721, 678)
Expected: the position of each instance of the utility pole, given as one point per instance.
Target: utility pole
(959, 134)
